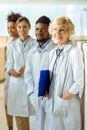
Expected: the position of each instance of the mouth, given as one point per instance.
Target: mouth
(10, 33)
(39, 36)
(60, 38)
(22, 33)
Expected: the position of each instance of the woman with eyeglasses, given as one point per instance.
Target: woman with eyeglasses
(62, 108)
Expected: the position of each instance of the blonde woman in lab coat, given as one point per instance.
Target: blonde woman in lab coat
(63, 109)
(17, 98)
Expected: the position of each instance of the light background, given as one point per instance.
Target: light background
(33, 9)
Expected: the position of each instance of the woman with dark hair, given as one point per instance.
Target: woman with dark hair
(13, 33)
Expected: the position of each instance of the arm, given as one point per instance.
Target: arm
(28, 75)
(10, 62)
(13, 73)
(9, 57)
(78, 75)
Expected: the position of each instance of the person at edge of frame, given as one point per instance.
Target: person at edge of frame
(13, 33)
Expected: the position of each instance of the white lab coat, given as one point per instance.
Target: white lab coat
(17, 95)
(6, 74)
(67, 77)
(36, 61)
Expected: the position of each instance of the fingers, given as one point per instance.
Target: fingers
(21, 71)
(46, 95)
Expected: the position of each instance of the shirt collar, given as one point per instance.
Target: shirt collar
(65, 48)
(23, 43)
(41, 48)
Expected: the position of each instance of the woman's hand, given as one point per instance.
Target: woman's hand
(68, 96)
(14, 73)
(21, 70)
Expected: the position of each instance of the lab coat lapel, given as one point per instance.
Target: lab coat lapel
(17, 45)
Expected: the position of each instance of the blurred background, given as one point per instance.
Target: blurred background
(33, 10)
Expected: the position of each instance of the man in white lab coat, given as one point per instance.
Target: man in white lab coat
(38, 59)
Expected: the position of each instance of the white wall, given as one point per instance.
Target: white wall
(43, 1)
(34, 10)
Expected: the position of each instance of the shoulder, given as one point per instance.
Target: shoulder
(75, 51)
(31, 51)
(31, 41)
(51, 42)
(76, 56)
(52, 53)
(10, 42)
(51, 45)
(15, 43)
(31, 38)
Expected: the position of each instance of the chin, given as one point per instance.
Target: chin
(40, 40)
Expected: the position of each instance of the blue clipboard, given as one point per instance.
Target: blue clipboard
(44, 82)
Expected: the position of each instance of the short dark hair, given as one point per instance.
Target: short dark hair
(12, 17)
(43, 19)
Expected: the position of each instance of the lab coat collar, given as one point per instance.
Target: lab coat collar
(65, 48)
(47, 47)
(27, 42)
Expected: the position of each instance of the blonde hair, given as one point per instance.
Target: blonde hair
(65, 21)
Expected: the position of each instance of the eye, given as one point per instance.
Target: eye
(18, 26)
(55, 29)
(44, 29)
(62, 30)
(24, 26)
(8, 28)
(13, 27)
(36, 29)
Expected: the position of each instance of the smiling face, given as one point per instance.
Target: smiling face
(60, 34)
(61, 30)
(12, 30)
(23, 28)
(41, 32)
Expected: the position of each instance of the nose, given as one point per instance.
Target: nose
(40, 31)
(59, 32)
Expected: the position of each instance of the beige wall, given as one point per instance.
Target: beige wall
(3, 42)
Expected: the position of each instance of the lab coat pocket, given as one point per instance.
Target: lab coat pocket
(60, 107)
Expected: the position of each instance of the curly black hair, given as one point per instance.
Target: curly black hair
(43, 19)
(12, 17)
